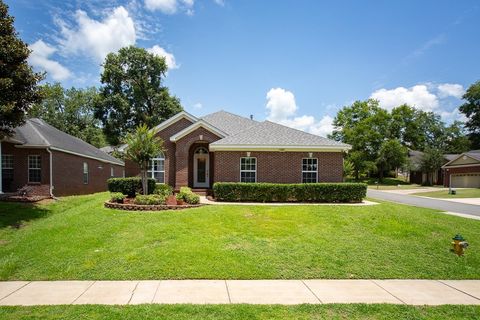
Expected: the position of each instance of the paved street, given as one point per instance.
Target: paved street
(438, 204)
(411, 292)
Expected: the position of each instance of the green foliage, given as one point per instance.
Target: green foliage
(117, 197)
(132, 93)
(471, 109)
(188, 196)
(163, 189)
(71, 111)
(151, 199)
(129, 186)
(432, 161)
(18, 83)
(143, 145)
(306, 192)
(348, 168)
(392, 155)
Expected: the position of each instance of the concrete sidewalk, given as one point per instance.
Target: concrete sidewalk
(412, 292)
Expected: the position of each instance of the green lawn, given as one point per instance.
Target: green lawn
(231, 312)
(461, 193)
(77, 238)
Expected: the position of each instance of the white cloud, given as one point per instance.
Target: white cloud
(39, 58)
(169, 57)
(98, 38)
(418, 96)
(282, 108)
(170, 6)
(197, 106)
(220, 2)
(450, 90)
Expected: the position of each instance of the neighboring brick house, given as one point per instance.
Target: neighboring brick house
(51, 162)
(224, 147)
(463, 171)
(418, 176)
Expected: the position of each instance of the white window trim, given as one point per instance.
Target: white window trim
(256, 163)
(86, 173)
(151, 173)
(310, 171)
(40, 169)
(4, 157)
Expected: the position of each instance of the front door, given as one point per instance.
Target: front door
(201, 168)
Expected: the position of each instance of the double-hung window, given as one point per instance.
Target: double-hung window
(309, 170)
(248, 169)
(85, 173)
(7, 167)
(156, 169)
(34, 169)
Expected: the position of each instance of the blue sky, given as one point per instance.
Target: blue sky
(293, 62)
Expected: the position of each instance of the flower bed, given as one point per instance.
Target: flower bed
(143, 207)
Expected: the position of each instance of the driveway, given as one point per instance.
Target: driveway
(444, 205)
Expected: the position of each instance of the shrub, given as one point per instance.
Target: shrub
(163, 189)
(188, 196)
(129, 186)
(151, 199)
(305, 192)
(117, 197)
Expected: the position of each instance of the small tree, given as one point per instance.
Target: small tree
(392, 155)
(432, 161)
(143, 145)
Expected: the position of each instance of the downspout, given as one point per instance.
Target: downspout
(1, 169)
(51, 173)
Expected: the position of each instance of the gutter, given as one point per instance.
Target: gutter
(51, 173)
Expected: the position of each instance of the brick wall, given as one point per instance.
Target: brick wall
(20, 166)
(278, 167)
(183, 154)
(68, 174)
(447, 172)
(131, 169)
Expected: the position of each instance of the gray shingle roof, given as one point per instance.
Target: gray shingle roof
(228, 122)
(273, 134)
(36, 132)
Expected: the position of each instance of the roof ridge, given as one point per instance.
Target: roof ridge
(304, 132)
(231, 113)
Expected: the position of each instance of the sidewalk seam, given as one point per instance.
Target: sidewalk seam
(228, 291)
(156, 290)
(311, 291)
(378, 285)
(8, 295)
(468, 294)
(133, 292)
(83, 292)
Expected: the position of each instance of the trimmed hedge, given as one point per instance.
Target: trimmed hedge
(186, 194)
(129, 186)
(304, 192)
(151, 199)
(163, 189)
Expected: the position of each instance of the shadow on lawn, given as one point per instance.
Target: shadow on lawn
(14, 215)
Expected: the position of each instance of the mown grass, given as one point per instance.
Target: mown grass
(77, 238)
(460, 193)
(223, 312)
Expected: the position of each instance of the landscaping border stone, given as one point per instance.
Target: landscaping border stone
(142, 207)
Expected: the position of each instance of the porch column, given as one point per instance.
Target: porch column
(1, 169)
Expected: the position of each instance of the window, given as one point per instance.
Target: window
(248, 169)
(309, 170)
(85, 173)
(34, 169)
(156, 169)
(112, 173)
(7, 166)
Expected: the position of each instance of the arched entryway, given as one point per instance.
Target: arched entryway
(201, 168)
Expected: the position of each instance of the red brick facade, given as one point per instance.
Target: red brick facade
(278, 167)
(449, 171)
(67, 171)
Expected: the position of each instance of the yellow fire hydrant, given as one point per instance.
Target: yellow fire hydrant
(459, 245)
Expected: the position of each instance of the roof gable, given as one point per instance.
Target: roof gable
(174, 119)
(196, 125)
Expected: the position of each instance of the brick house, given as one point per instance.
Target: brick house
(224, 147)
(52, 163)
(463, 171)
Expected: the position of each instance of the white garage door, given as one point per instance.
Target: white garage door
(466, 180)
